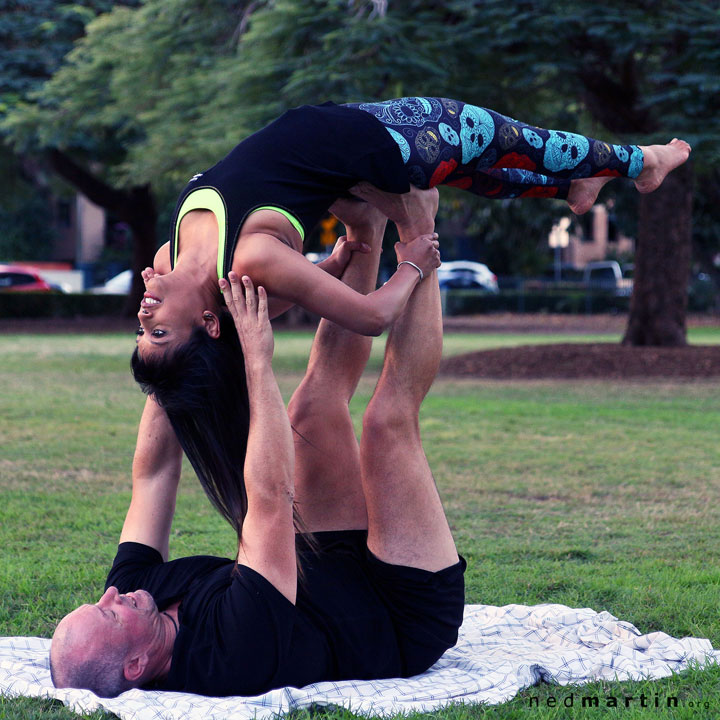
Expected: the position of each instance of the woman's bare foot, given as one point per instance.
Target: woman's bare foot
(583, 193)
(659, 160)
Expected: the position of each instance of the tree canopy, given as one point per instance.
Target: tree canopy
(36, 37)
(174, 83)
(158, 89)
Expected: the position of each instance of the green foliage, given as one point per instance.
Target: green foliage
(25, 214)
(136, 93)
(35, 37)
(644, 67)
(172, 75)
(561, 301)
(158, 90)
(334, 50)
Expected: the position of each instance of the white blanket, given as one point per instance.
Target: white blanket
(501, 650)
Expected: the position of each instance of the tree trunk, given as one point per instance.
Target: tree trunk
(135, 206)
(142, 218)
(662, 264)
(662, 259)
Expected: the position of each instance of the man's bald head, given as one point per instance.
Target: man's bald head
(83, 654)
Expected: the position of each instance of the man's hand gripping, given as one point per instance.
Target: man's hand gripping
(249, 311)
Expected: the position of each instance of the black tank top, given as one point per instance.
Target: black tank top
(298, 166)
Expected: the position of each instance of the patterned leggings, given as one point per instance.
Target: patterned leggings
(453, 143)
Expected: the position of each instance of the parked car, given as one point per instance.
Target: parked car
(316, 257)
(17, 278)
(607, 275)
(118, 285)
(466, 275)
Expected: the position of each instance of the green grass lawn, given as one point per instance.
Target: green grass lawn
(601, 495)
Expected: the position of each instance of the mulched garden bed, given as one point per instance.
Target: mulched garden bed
(582, 360)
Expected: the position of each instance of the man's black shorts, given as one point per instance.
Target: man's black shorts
(425, 608)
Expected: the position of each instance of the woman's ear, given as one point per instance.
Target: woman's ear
(211, 323)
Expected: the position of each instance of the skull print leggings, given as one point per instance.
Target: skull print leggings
(454, 143)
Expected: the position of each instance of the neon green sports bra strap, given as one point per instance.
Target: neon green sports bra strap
(206, 198)
(293, 220)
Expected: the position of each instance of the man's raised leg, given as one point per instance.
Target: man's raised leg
(406, 520)
(328, 489)
(412, 212)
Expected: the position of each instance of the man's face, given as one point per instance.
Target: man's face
(134, 613)
(130, 621)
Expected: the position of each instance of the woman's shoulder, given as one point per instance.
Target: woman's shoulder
(161, 263)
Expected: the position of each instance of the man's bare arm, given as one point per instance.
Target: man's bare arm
(267, 544)
(156, 474)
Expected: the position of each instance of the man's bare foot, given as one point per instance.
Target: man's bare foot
(421, 207)
(583, 193)
(357, 214)
(413, 212)
(659, 160)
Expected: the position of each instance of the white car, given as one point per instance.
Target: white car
(118, 285)
(466, 275)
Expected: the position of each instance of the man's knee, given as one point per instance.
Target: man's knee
(316, 411)
(388, 418)
(319, 389)
(304, 405)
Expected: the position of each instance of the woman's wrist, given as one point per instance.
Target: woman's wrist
(417, 268)
(409, 271)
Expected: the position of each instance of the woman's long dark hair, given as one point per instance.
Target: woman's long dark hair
(201, 385)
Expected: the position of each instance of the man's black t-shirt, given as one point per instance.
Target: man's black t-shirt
(239, 636)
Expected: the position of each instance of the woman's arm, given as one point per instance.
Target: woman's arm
(341, 253)
(287, 275)
(267, 544)
(156, 474)
(334, 265)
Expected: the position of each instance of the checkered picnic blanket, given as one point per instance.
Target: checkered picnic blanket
(501, 650)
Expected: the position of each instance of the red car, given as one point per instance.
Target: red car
(16, 278)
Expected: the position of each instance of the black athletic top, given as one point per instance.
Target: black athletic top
(298, 165)
(238, 635)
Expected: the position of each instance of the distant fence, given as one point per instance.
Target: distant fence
(472, 302)
(577, 298)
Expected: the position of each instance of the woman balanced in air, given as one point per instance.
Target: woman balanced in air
(251, 212)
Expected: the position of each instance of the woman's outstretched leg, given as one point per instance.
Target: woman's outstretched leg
(449, 142)
(659, 161)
